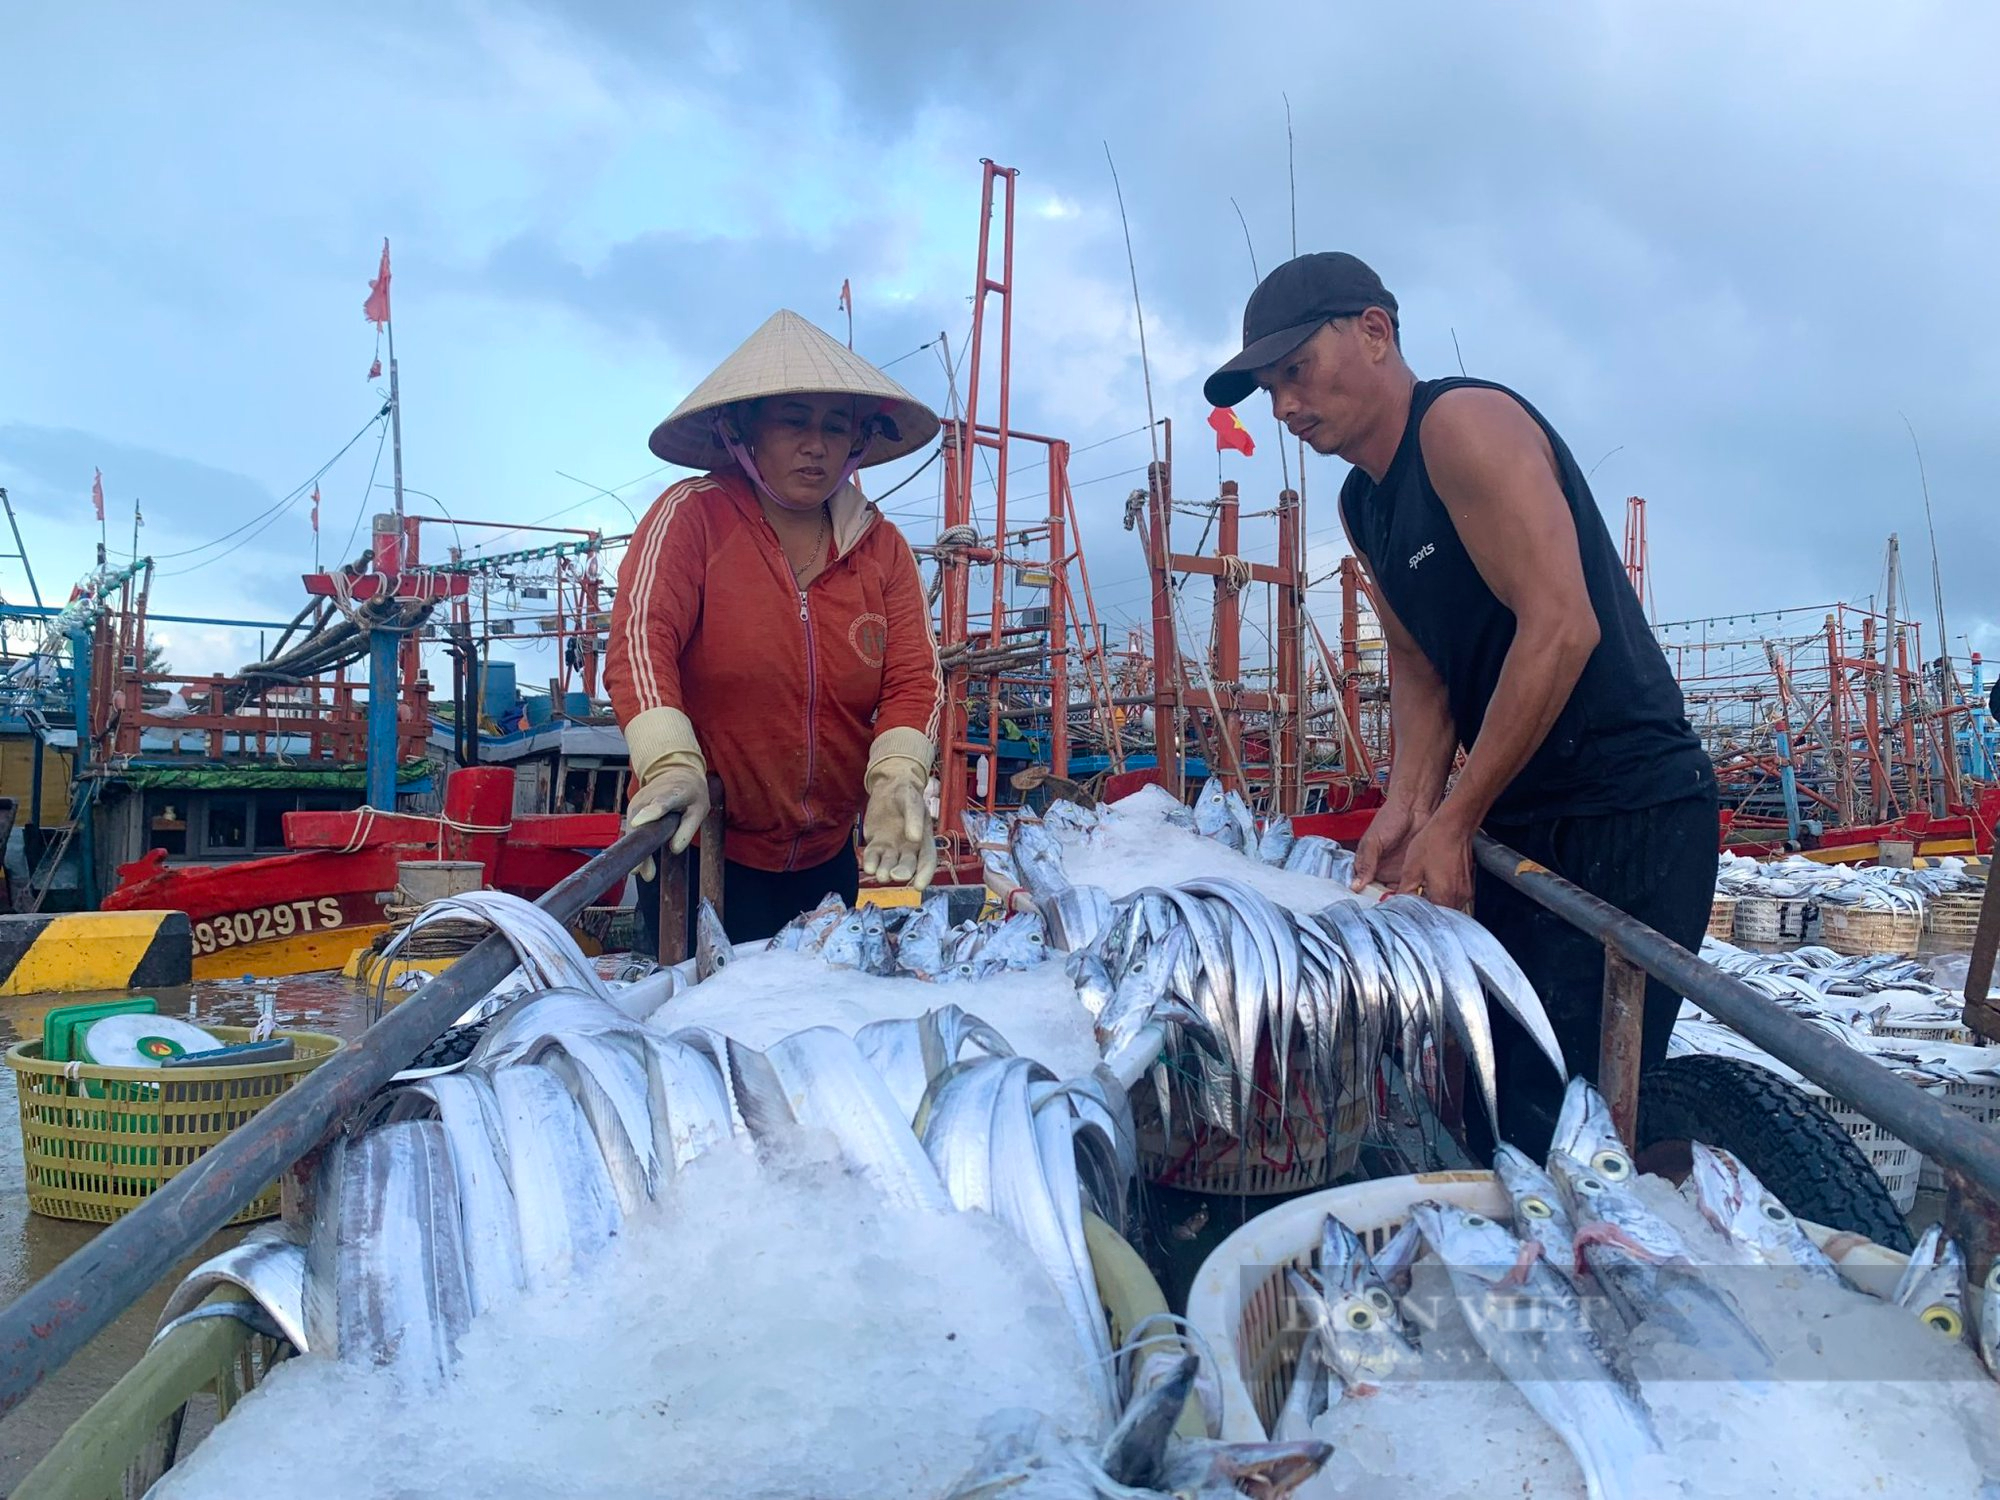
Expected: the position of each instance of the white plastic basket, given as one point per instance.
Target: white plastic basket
(1977, 1101)
(1770, 919)
(1934, 1031)
(1953, 917)
(1896, 1162)
(1241, 1305)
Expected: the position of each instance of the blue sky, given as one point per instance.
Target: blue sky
(1724, 254)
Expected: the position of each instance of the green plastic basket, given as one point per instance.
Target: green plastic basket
(97, 1141)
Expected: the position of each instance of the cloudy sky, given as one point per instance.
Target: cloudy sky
(1727, 249)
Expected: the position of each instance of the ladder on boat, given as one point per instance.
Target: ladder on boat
(54, 851)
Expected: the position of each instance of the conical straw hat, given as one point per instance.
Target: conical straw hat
(788, 357)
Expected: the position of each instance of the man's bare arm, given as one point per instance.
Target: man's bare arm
(1493, 469)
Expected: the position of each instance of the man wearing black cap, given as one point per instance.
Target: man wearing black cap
(1512, 633)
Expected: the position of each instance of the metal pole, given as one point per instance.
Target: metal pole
(395, 419)
(47, 1324)
(382, 691)
(1839, 745)
(1166, 652)
(80, 670)
(1901, 1108)
(1227, 653)
(1058, 614)
(20, 548)
(1287, 716)
(1621, 1033)
(1981, 1014)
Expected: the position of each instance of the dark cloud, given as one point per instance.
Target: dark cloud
(186, 505)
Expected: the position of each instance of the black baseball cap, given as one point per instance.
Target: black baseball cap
(1291, 305)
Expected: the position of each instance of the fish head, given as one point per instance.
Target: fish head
(1363, 1330)
(1039, 859)
(1264, 1471)
(1211, 809)
(844, 945)
(1606, 1211)
(1474, 1245)
(1093, 984)
(1586, 1133)
(1019, 941)
(1933, 1284)
(1532, 1192)
(1731, 1198)
(1137, 1448)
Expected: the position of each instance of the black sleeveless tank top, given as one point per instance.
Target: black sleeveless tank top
(1622, 741)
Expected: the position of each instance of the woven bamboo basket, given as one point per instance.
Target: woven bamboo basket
(1853, 929)
(1722, 917)
(1285, 1150)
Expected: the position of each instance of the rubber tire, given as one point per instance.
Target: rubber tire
(1795, 1147)
(453, 1046)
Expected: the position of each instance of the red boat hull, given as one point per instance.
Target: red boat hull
(308, 909)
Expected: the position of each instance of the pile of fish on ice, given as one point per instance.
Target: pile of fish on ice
(1879, 1004)
(588, 1121)
(1870, 888)
(1267, 1010)
(1675, 1348)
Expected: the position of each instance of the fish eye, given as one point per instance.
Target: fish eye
(1612, 1166)
(1383, 1302)
(1589, 1186)
(1943, 1319)
(1537, 1208)
(1993, 1276)
(1475, 1221)
(1360, 1318)
(1777, 1212)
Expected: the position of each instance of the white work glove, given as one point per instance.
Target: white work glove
(896, 825)
(672, 777)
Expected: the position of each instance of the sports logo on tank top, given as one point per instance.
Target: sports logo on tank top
(1421, 553)
(869, 636)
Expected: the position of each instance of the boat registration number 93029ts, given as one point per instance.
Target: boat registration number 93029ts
(263, 923)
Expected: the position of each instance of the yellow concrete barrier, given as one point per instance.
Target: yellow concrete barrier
(64, 952)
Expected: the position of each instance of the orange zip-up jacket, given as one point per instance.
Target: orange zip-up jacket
(786, 688)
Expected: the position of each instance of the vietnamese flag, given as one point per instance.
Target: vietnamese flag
(376, 308)
(1230, 432)
(97, 493)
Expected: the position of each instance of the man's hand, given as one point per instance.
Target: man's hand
(1384, 847)
(1437, 863)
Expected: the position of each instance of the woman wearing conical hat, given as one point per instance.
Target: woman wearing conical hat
(771, 627)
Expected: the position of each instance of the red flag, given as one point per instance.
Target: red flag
(1230, 432)
(97, 492)
(375, 370)
(846, 296)
(315, 510)
(376, 308)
